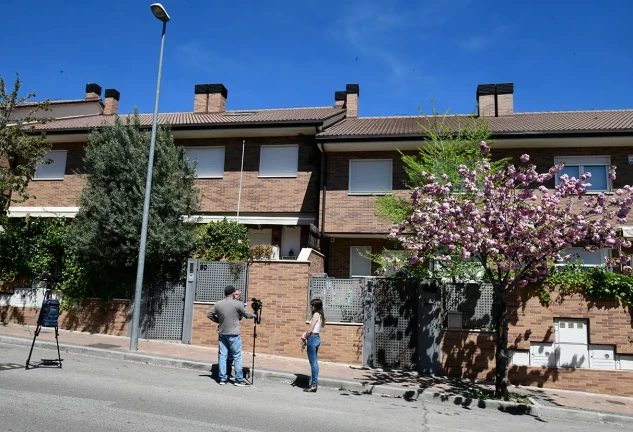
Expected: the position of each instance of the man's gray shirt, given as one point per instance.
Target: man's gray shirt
(228, 313)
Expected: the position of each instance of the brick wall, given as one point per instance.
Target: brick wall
(470, 354)
(346, 213)
(609, 323)
(356, 214)
(283, 289)
(276, 195)
(95, 317)
(60, 193)
(339, 253)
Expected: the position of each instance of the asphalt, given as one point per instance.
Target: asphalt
(92, 393)
(406, 393)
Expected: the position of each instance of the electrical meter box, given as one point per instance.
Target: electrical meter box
(602, 357)
(542, 354)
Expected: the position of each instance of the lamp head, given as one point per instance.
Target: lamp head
(159, 12)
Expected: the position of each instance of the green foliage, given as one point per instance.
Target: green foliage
(222, 241)
(594, 282)
(20, 149)
(260, 252)
(30, 246)
(106, 232)
(450, 141)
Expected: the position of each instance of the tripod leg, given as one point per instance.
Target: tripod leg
(37, 332)
(253, 368)
(59, 356)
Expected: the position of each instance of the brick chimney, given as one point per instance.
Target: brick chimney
(112, 97)
(340, 98)
(494, 100)
(200, 98)
(216, 102)
(352, 92)
(93, 91)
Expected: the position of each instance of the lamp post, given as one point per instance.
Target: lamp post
(159, 12)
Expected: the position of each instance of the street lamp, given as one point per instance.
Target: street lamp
(159, 12)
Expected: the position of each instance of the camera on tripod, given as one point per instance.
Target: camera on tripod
(256, 304)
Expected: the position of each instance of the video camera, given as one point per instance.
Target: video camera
(257, 308)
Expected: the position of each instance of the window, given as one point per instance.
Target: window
(210, 161)
(279, 161)
(598, 166)
(370, 176)
(54, 170)
(589, 259)
(263, 236)
(360, 261)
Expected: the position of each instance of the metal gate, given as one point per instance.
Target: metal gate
(165, 306)
(167, 309)
(402, 324)
(211, 277)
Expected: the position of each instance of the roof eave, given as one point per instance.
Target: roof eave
(505, 135)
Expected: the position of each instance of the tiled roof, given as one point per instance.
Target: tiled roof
(58, 102)
(228, 118)
(518, 123)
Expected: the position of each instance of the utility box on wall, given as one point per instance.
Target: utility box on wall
(602, 357)
(542, 354)
(571, 338)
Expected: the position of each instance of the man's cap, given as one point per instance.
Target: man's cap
(229, 290)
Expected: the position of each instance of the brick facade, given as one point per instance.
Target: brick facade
(346, 213)
(60, 193)
(95, 317)
(339, 253)
(609, 323)
(259, 195)
(283, 288)
(470, 354)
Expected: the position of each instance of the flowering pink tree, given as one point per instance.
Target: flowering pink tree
(514, 226)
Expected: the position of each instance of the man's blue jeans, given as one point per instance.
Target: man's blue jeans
(313, 351)
(233, 345)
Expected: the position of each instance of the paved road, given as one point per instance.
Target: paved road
(97, 394)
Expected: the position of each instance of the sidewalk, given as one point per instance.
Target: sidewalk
(409, 385)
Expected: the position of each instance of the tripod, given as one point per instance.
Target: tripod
(257, 308)
(49, 314)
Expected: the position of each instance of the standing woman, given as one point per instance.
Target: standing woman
(313, 339)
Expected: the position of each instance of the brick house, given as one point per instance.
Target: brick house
(361, 161)
(566, 345)
(281, 167)
(324, 166)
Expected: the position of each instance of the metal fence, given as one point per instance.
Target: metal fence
(343, 299)
(165, 303)
(213, 276)
(473, 301)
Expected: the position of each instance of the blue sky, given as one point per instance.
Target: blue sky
(561, 55)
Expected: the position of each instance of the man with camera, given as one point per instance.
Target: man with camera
(228, 313)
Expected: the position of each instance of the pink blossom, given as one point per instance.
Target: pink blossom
(484, 147)
(525, 158)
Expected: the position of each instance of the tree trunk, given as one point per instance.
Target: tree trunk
(501, 351)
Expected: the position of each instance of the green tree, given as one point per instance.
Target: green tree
(450, 141)
(30, 246)
(222, 241)
(20, 149)
(107, 229)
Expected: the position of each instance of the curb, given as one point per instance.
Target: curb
(536, 410)
(352, 386)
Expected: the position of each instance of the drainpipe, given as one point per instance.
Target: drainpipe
(323, 185)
